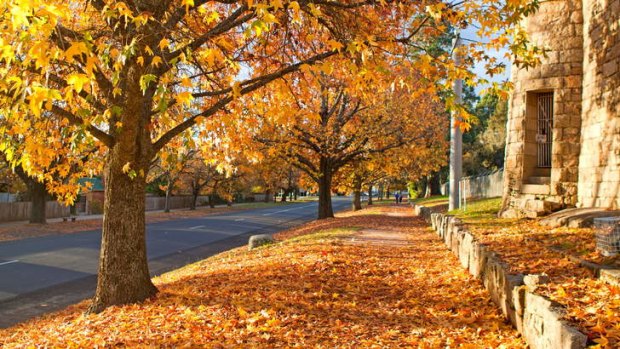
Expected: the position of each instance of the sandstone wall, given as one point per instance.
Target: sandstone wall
(558, 26)
(599, 170)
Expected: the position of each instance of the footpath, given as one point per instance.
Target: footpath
(376, 278)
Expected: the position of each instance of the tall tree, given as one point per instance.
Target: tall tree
(333, 120)
(135, 74)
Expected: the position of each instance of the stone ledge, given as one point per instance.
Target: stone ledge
(537, 318)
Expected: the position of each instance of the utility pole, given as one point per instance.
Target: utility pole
(456, 136)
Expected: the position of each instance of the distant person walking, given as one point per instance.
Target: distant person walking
(397, 197)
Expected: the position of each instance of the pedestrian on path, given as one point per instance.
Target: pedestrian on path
(397, 197)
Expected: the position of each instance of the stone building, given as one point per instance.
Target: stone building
(563, 146)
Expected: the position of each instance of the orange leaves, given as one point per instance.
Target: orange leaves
(287, 295)
(591, 304)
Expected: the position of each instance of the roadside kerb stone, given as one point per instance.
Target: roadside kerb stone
(537, 318)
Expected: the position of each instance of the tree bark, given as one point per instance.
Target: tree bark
(357, 193)
(123, 270)
(428, 191)
(267, 195)
(325, 188)
(212, 195)
(370, 195)
(167, 202)
(38, 196)
(435, 184)
(192, 205)
(123, 275)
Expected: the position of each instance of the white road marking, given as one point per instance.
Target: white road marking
(196, 227)
(9, 262)
(290, 209)
(240, 219)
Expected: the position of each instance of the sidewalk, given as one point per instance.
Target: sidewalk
(376, 278)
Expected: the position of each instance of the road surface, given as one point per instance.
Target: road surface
(42, 274)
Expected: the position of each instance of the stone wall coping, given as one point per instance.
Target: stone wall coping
(537, 318)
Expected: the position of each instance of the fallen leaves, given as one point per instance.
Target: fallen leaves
(326, 286)
(530, 248)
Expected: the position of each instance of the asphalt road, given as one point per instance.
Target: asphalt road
(43, 274)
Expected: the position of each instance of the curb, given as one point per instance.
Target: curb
(537, 318)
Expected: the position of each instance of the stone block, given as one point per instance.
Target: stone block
(260, 240)
(543, 327)
(477, 259)
(611, 276)
(532, 281)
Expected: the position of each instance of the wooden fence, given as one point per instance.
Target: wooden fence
(20, 211)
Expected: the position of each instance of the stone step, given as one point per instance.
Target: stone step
(539, 180)
(536, 189)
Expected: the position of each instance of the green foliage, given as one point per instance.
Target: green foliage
(484, 143)
(412, 189)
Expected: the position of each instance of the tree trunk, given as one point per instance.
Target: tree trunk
(370, 194)
(38, 196)
(123, 275)
(295, 194)
(357, 194)
(167, 202)
(428, 190)
(123, 270)
(380, 192)
(192, 205)
(435, 184)
(357, 200)
(267, 195)
(212, 196)
(284, 195)
(325, 188)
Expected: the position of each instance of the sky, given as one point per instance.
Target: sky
(470, 34)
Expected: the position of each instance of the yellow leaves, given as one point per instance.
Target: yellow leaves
(156, 61)
(77, 81)
(259, 26)
(20, 14)
(131, 173)
(77, 48)
(236, 89)
(335, 45)
(186, 82)
(187, 4)
(164, 44)
(184, 98)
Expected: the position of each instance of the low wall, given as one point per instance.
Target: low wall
(20, 211)
(537, 318)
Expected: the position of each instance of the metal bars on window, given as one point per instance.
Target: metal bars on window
(544, 136)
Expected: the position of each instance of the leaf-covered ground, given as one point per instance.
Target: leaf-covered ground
(373, 279)
(18, 230)
(530, 248)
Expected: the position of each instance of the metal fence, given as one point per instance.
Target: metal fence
(486, 185)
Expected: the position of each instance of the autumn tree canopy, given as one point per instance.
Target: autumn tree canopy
(127, 77)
